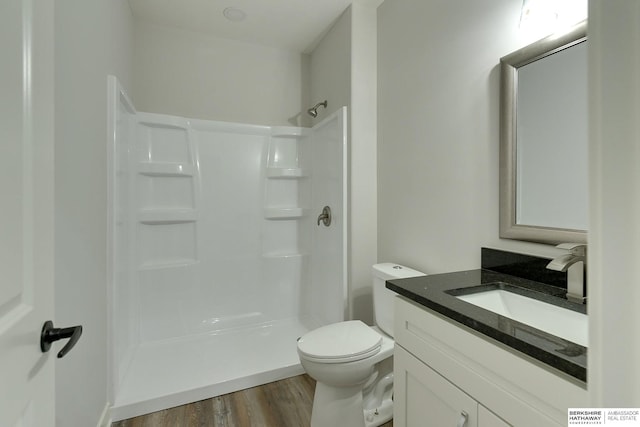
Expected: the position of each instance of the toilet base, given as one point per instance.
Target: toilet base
(337, 406)
(343, 406)
(380, 415)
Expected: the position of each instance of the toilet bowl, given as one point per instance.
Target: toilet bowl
(352, 362)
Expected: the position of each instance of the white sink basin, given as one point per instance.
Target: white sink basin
(558, 321)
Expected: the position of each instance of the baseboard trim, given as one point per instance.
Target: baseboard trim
(105, 418)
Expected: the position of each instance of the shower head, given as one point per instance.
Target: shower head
(313, 111)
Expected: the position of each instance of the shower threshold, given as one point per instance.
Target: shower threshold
(168, 373)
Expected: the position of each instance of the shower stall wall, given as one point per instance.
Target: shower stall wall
(217, 261)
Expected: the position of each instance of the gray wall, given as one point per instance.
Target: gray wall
(93, 39)
(343, 71)
(614, 241)
(330, 68)
(438, 130)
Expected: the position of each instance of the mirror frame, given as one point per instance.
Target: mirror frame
(509, 65)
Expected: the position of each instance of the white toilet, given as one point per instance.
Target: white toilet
(352, 362)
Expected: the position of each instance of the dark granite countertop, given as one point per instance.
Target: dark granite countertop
(436, 292)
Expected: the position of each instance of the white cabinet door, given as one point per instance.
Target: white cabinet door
(486, 418)
(26, 211)
(422, 397)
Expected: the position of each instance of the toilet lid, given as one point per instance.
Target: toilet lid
(352, 340)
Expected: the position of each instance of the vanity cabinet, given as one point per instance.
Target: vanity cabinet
(423, 397)
(444, 370)
(486, 418)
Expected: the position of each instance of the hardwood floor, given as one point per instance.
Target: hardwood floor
(285, 403)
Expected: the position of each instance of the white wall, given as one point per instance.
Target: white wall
(438, 130)
(196, 75)
(93, 39)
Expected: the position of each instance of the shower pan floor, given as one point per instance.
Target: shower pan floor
(168, 373)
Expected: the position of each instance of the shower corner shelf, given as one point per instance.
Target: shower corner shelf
(166, 216)
(285, 173)
(284, 255)
(289, 132)
(168, 263)
(162, 121)
(156, 169)
(284, 213)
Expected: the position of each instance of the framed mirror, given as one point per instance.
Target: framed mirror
(544, 140)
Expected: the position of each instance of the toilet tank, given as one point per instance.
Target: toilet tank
(383, 297)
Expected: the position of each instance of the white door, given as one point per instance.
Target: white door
(26, 211)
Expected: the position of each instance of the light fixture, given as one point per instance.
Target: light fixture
(538, 14)
(550, 16)
(234, 14)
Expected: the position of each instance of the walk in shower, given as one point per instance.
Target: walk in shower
(218, 261)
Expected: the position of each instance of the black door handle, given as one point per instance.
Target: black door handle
(50, 334)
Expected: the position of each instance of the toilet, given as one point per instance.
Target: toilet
(352, 363)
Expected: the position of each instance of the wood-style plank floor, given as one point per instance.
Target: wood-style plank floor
(285, 403)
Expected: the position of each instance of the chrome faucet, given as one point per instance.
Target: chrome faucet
(574, 264)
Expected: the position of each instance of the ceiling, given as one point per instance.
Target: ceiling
(287, 24)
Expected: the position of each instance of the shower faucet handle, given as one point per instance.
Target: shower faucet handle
(325, 216)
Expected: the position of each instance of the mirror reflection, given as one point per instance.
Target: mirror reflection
(551, 123)
(544, 137)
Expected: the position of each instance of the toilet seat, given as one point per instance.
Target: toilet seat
(340, 342)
